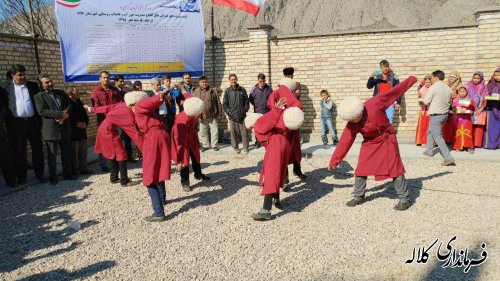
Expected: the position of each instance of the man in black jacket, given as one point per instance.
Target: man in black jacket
(54, 107)
(7, 164)
(236, 105)
(25, 124)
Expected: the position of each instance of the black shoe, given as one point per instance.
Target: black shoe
(278, 205)
(257, 145)
(132, 160)
(155, 218)
(53, 181)
(203, 149)
(86, 172)
(130, 183)
(105, 169)
(355, 202)
(202, 177)
(402, 206)
(42, 179)
(69, 178)
(325, 143)
(12, 184)
(216, 149)
(186, 187)
(300, 175)
(21, 181)
(115, 181)
(262, 216)
(335, 142)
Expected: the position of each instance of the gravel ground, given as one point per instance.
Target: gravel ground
(209, 234)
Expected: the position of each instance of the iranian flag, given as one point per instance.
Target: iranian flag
(249, 6)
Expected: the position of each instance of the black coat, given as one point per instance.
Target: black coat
(236, 103)
(33, 89)
(79, 114)
(49, 111)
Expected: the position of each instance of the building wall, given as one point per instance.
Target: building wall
(340, 63)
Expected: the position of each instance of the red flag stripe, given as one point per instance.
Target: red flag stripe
(240, 5)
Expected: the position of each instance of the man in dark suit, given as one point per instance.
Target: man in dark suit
(6, 164)
(25, 124)
(54, 107)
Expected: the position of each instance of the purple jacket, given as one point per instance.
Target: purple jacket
(258, 98)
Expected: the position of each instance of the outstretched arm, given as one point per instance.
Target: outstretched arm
(344, 145)
(387, 99)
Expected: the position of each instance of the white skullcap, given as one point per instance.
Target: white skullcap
(350, 108)
(193, 106)
(131, 98)
(293, 118)
(251, 119)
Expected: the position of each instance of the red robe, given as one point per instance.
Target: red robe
(270, 130)
(156, 153)
(108, 141)
(463, 133)
(379, 154)
(449, 128)
(184, 139)
(294, 136)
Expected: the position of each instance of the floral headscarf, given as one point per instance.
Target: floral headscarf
(477, 91)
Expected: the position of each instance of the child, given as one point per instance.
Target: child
(423, 117)
(492, 136)
(326, 105)
(477, 91)
(449, 127)
(185, 143)
(464, 108)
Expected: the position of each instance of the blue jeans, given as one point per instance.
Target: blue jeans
(102, 160)
(155, 193)
(390, 113)
(327, 122)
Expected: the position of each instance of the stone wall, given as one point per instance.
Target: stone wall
(340, 63)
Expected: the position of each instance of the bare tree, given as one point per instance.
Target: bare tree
(16, 14)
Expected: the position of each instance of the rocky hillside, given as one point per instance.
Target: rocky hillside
(324, 16)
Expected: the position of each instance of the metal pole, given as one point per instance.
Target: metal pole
(213, 44)
(35, 39)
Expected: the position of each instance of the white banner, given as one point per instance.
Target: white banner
(139, 39)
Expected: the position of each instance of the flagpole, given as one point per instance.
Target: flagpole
(213, 44)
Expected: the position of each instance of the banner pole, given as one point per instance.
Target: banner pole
(213, 44)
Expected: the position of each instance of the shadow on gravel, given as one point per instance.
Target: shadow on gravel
(230, 181)
(414, 185)
(308, 192)
(437, 272)
(61, 274)
(25, 229)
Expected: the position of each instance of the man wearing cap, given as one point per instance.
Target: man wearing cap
(379, 154)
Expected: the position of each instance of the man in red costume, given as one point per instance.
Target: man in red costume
(185, 143)
(273, 130)
(156, 162)
(108, 141)
(289, 89)
(379, 155)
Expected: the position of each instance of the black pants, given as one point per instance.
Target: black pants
(185, 170)
(21, 130)
(169, 120)
(115, 167)
(79, 155)
(128, 144)
(7, 162)
(268, 200)
(53, 146)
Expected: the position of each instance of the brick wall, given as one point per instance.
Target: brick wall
(340, 62)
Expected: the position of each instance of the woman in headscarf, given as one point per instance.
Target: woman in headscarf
(449, 128)
(464, 108)
(477, 91)
(492, 135)
(423, 117)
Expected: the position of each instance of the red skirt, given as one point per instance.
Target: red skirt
(463, 135)
(422, 127)
(478, 132)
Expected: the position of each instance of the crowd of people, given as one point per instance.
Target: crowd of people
(171, 125)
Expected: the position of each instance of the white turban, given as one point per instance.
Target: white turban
(193, 106)
(131, 98)
(251, 119)
(293, 118)
(350, 108)
(289, 83)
